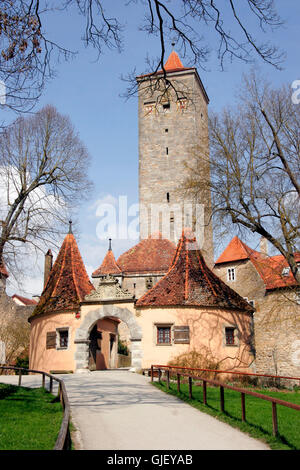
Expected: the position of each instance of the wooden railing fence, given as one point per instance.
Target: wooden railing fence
(63, 441)
(191, 376)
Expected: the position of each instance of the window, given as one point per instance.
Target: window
(166, 130)
(62, 338)
(167, 150)
(181, 334)
(285, 271)
(166, 107)
(168, 197)
(231, 274)
(251, 302)
(229, 336)
(163, 335)
(149, 283)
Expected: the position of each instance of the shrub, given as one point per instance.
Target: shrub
(197, 360)
(122, 348)
(22, 361)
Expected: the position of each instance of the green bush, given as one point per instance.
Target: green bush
(122, 348)
(22, 361)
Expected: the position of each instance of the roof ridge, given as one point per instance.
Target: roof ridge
(72, 265)
(60, 270)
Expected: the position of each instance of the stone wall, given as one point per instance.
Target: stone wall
(168, 139)
(276, 320)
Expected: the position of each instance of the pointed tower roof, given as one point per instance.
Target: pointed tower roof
(68, 282)
(109, 265)
(173, 62)
(189, 282)
(236, 250)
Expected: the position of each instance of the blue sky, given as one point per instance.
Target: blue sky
(89, 92)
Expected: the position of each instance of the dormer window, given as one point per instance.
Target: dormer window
(285, 271)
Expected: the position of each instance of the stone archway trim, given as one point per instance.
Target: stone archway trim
(82, 335)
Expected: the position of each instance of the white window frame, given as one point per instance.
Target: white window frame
(58, 330)
(230, 272)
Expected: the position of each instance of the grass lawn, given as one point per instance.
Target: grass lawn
(30, 418)
(258, 413)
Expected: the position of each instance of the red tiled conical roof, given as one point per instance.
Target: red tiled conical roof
(151, 255)
(236, 250)
(189, 282)
(108, 266)
(68, 282)
(173, 62)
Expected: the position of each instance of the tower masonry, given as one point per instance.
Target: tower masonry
(173, 139)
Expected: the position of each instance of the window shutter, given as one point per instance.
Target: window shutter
(182, 334)
(51, 340)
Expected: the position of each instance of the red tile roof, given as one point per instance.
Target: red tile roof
(236, 250)
(269, 267)
(3, 269)
(151, 255)
(68, 282)
(173, 64)
(108, 266)
(24, 300)
(189, 282)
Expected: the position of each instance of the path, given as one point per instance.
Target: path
(120, 410)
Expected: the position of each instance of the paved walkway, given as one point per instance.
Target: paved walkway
(120, 410)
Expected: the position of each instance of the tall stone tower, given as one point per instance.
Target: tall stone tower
(173, 136)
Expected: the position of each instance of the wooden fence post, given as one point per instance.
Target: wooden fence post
(43, 380)
(190, 388)
(274, 419)
(243, 407)
(204, 392)
(178, 383)
(159, 375)
(222, 398)
(168, 379)
(20, 377)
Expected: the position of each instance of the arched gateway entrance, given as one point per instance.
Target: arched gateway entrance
(82, 335)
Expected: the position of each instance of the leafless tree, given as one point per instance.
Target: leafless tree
(255, 166)
(27, 57)
(43, 175)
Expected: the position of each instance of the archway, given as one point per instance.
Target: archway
(83, 333)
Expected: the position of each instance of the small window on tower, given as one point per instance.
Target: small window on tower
(168, 197)
(167, 150)
(166, 107)
(166, 130)
(231, 274)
